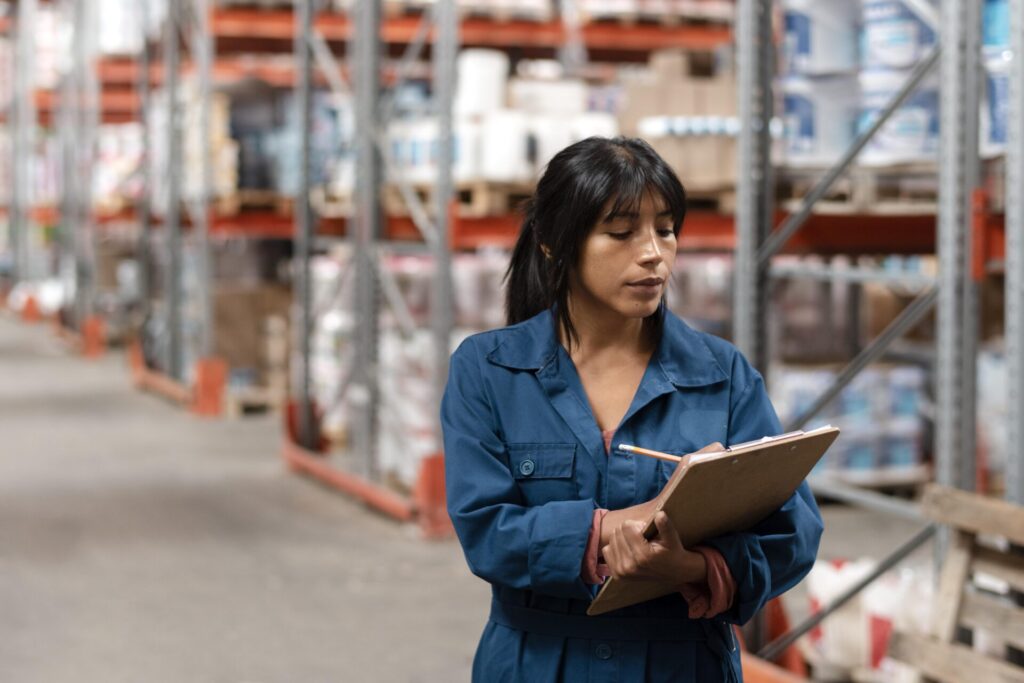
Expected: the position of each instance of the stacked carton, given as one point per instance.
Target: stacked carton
(690, 119)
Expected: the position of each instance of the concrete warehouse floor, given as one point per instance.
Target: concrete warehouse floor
(139, 543)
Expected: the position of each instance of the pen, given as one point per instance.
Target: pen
(649, 453)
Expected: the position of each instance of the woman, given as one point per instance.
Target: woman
(543, 505)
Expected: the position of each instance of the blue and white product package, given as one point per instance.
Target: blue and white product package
(912, 133)
(995, 106)
(820, 116)
(821, 36)
(995, 24)
(894, 35)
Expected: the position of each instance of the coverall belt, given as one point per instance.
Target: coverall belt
(540, 621)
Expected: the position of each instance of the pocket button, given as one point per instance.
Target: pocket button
(526, 468)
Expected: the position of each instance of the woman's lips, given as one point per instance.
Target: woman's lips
(649, 286)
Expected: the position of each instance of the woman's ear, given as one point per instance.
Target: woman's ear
(547, 251)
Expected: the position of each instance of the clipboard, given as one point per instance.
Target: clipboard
(711, 494)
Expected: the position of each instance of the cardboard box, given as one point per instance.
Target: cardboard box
(240, 322)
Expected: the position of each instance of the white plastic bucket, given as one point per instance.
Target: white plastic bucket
(820, 117)
(504, 147)
(594, 124)
(550, 135)
(912, 133)
(466, 153)
(894, 35)
(482, 81)
(995, 107)
(821, 36)
(562, 97)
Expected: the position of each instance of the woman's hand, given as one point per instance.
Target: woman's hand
(663, 558)
(710, 448)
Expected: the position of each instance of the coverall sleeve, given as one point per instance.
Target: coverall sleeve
(775, 555)
(506, 542)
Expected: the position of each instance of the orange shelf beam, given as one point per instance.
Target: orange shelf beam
(279, 26)
(374, 495)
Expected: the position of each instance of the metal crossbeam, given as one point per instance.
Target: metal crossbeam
(775, 648)
(909, 317)
(795, 221)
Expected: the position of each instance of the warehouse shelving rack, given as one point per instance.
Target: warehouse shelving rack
(440, 229)
(970, 241)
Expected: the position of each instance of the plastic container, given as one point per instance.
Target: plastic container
(821, 36)
(548, 136)
(482, 81)
(995, 106)
(820, 118)
(912, 133)
(559, 97)
(901, 445)
(505, 147)
(995, 24)
(894, 36)
(468, 132)
(594, 124)
(906, 392)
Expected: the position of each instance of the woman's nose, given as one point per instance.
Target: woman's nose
(650, 250)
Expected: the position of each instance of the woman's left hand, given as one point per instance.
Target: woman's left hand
(663, 558)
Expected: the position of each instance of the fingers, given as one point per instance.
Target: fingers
(629, 553)
(667, 534)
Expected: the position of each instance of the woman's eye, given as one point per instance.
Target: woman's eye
(620, 235)
(666, 232)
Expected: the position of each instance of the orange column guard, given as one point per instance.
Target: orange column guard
(211, 381)
(429, 497)
(31, 312)
(94, 337)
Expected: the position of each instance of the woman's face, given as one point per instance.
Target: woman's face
(626, 261)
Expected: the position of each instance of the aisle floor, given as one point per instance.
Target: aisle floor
(139, 543)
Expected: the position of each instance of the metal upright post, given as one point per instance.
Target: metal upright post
(958, 173)
(446, 47)
(364, 392)
(304, 233)
(24, 135)
(144, 253)
(754, 212)
(202, 46)
(86, 120)
(172, 288)
(68, 149)
(1015, 257)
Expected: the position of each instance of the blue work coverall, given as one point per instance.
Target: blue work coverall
(526, 468)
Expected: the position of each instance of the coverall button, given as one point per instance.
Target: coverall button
(526, 468)
(603, 651)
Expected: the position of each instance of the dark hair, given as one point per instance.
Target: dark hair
(570, 198)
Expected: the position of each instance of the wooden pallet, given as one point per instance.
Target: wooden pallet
(250, 401)
(498, 14)
(329, 205)
(259, 200)
(475, 199)
(962, 602)
(721, 200)
(910, 189)
(633, 18)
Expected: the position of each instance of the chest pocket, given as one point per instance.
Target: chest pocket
(544, 471)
